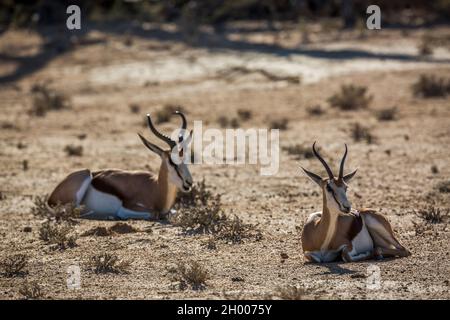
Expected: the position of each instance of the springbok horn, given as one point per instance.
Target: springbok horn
(330, 173)
(341, 168)
(183, 124)
(163, 137)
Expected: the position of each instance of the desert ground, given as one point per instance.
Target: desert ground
(112, 78)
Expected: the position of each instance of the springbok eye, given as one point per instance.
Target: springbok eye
(329, 188)
(180, 153)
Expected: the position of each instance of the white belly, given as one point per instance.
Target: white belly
(100, 205)
(362, 242)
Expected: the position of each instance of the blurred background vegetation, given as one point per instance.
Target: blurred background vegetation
(29, 13)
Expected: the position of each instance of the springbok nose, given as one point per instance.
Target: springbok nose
(347, 208)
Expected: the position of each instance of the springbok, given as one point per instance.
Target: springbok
(114, 193)
(340, 232)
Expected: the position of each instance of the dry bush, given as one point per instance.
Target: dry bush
(73, 150)
(350, 97)
(299, 151)
(14, 265)
(134, 108)
(46, 99)
(281, 124)
(191, 274)
(290, 293)
(200, 212)
(31, 290)
(443, 186)
(316, 110)
(226, 122)
(61, 212)
(430, 86)
(433, 215)
(387, 114)
(198, 194)
(201, 218)
(244, 114)
(108, 263)
(165, 114)
(361, 133)
(57, 234)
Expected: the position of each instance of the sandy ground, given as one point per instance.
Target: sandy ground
(104, 76)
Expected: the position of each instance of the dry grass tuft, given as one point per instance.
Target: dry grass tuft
(14, 265)
(290, 293)
(433, 215)
(281, 124)
(443, 186)
(46, 99)
(387, 114)
(108, 263)
(430, 86)
(244, 114)
(200, 212)
(135, 108)
(122, 228)
(31, 290)
(299, 151)
(191, 274)
(316, 110)
(226, 122)
(350, 97)
(57, 234)
(61, 212)
(73, 150)
(361, 133)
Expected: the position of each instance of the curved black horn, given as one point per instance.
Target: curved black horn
(183, 118)
(330, 173)
(163, 137)
(341, 168)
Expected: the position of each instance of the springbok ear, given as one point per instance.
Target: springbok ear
(349, 176)
(151, 146)
(314, 177)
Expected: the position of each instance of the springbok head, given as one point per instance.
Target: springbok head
(174, 156)
(334, 189)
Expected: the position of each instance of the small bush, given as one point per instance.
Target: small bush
(31, 290)
(73, 151)
(316, 110)
(58, 235)
(108, 263)
(135, 108)
(299, 151)
(244, 114)
(361, 133)
(290, 293)
(200, 212)
(226, 122)
(350, 97)
(387, 114)
(165, 114)
(61, 212)
(430, 86)
(14, 265)
(281, 124)
(198, 194)
(443, 186)
(433, 215)
(191, 274)
(46, 99)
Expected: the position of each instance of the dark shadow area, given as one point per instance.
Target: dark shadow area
(57, 45)
(336, 268)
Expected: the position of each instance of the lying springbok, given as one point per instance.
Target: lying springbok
(113, 193)
(340, 232)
